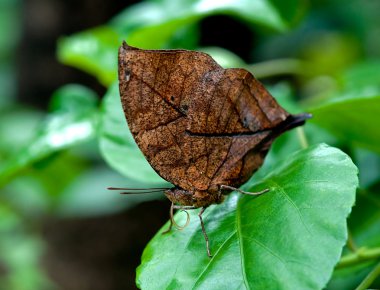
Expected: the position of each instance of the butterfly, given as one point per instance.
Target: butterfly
(203, 128)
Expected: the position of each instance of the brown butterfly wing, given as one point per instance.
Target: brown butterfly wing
(197, 124)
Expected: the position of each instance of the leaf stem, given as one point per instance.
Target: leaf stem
(302, 137)
(370, 278)
(360, 256)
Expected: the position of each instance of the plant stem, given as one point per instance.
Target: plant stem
(351, 243)
(302, 137)
(361, 255)
(280, 66)
(370, 278)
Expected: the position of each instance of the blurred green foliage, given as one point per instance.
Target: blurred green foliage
(317, 56)
(10, 29)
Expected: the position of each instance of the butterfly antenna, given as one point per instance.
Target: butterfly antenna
(129, 190)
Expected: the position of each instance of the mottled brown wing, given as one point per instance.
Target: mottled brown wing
(197, 124)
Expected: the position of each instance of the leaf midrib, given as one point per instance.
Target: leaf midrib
(240, 241)
(200, 276)
(239, 238)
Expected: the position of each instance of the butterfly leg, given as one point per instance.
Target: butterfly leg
(204, 232)
(242, 191)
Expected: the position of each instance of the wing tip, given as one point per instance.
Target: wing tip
(126, 46)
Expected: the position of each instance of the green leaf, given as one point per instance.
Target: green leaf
(117, 144)
(93, 51)
(294, 233)
(74, 123)
(291, 11)
(152, 24)
(73, 99)
(161, 24)
(354, 120)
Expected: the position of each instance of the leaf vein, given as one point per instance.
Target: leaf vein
(287, 197)
(273, 253)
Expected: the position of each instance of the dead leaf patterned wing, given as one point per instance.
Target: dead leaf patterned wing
(177, 102)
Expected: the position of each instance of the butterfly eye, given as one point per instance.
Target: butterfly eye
(127, 75)
(245, 122)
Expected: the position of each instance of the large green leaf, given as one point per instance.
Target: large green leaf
(289, 238)
(73, 121)
(354, 119)
(117, 144)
